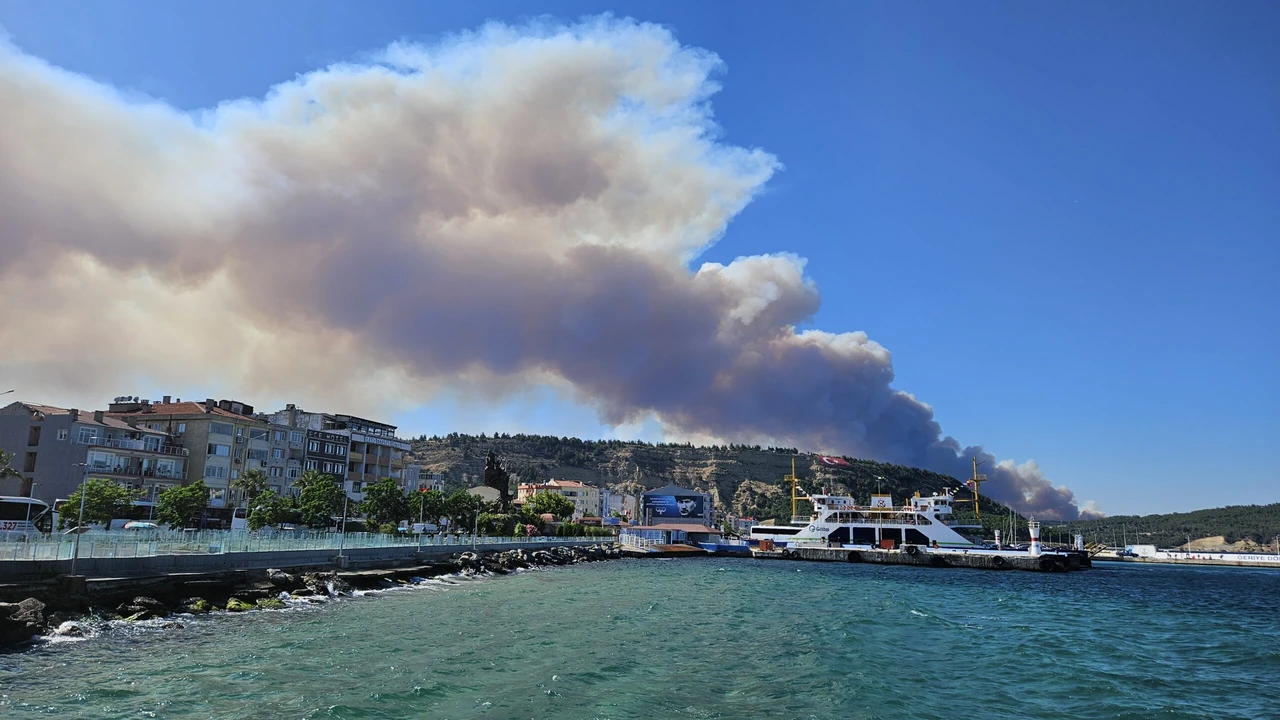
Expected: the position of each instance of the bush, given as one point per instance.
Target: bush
(388, 529)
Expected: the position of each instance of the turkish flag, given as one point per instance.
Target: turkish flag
(833, 461)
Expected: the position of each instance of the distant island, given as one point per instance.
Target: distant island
(746, 481)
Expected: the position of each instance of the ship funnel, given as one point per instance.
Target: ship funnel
(1034, 528)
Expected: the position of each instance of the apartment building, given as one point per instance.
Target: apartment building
(56, 448)
(223, 438)
(585, 498)
(354, 450)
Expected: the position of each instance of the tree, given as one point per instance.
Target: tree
(384, 503)
(461, 508)
(268, 508)
(178, 505)
(103, 500)
(5, 470)
(548, 502)
(251, 483)
(428, 504)
(320, 500)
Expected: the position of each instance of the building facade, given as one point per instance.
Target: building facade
(585, 498)
(355, 451)
(55, 449)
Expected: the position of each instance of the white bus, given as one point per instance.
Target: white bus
(24, 517)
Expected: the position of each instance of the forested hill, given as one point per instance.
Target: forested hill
(1247, 525)
(745, 480)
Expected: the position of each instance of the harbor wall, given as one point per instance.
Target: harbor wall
(18, 570)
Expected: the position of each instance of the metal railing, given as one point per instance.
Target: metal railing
(128, 444)
(131, 544)
(635, 541)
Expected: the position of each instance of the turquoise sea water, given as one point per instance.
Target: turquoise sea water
(706, 638)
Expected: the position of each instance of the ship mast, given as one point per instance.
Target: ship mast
(973, 484)
(792, 479)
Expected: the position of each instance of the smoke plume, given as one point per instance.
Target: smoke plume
(512, 208)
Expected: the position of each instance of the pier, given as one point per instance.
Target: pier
(934, 557)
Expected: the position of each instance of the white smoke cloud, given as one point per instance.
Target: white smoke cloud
(517, 207)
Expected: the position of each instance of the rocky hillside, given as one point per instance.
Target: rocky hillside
(744, 480)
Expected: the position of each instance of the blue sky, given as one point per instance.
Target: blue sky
(1064, 221)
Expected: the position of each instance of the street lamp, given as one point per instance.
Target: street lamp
(84, 482)
(31, 492)
(6, 392)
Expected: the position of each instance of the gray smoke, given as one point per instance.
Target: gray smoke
(517, 207)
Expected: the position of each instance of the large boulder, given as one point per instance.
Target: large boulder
(21, 621)
(282, 580)
(238, 605)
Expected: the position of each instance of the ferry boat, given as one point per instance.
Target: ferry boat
(837, 520)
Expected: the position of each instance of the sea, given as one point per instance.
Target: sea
(698, 638)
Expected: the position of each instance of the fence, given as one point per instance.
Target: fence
(215, 542)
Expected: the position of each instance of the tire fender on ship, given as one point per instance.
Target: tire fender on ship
(912, 549)
(997, 561)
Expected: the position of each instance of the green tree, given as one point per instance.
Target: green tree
(178, 505)
(251, 483)
(461, 508)
(268, 508)
(384, 503)
(5, 470)
(320, 499)
(103, 500)
(427, 504)
(548, 502)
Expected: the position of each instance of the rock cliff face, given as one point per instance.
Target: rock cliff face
(745, 480)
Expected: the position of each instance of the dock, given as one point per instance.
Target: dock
(934, 557)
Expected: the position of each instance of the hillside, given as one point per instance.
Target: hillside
(747, 481)
(1248, 525)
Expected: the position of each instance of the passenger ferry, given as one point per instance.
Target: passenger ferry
(838, 520)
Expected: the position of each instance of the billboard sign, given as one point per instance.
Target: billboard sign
(673, 507)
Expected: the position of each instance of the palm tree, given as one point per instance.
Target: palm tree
(252, 483)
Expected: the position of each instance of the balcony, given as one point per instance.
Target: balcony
(127, 444)
(136, 471)
(355, 456)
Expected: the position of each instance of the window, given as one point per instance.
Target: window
(257, 434)
(182, 427)
(293, 472)
(29, 465)
(87, 435)
(274, 472)
(64, 434)
(279, 436)
(217, 428)
(152, 443)
(235, 474)
(311, 464)
(220, 450)
(277, 453)
(213, 471)
(33, 436)
(295, 437)
(313, 446)
(258, 454)
(217, 494)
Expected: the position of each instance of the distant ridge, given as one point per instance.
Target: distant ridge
(1249, 525)
(745, 479)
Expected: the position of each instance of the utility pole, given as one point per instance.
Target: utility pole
(84, 482)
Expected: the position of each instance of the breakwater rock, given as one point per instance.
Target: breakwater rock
(50, 611)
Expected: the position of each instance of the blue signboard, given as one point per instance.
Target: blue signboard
(686, 507)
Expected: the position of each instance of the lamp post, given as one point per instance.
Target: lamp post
(342, 537)
(84, 482)
(6, 392)
(31, 492)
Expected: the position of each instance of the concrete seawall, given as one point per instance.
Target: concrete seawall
(920, 555)
(25, 570)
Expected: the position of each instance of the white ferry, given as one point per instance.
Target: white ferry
(837, 520)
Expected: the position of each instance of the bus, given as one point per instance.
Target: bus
(24, 518)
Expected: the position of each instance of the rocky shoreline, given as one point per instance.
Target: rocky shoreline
(52, 611)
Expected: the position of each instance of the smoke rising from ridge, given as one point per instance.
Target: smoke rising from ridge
(516, 207)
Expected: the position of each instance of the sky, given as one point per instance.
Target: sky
(1062, 221)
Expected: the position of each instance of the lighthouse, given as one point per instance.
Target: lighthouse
(1034, 528)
